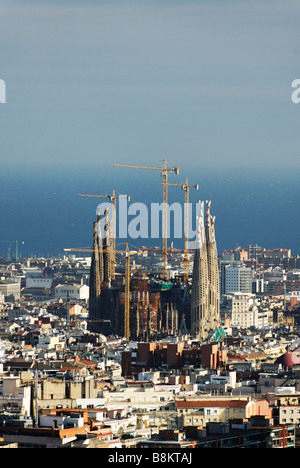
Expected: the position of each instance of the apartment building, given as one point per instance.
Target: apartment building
(238, 279)
(200, 412)
(141, 398)
(244, 311)
(286, 406)
(11, 290)
(170, 356)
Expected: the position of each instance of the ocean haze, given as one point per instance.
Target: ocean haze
(41, 206)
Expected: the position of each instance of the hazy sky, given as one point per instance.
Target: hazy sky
(193, 82)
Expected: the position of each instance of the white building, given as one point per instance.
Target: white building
(38, 282)
(72, 291)
(241, 309)
(10, 290)
(50, 342)
(16, 395)
(139, 399)
(61, 422)
(238, 279)
(244, 311)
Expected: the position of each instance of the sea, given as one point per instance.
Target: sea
(42, 214)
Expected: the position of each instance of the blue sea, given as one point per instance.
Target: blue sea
(40, 207)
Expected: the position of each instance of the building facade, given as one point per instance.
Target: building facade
(202, 411)
(11, 290)
(238, 279)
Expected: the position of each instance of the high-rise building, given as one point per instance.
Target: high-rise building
(238, 279)
(205, 295)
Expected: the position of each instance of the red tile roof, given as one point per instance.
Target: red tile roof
(211, 403)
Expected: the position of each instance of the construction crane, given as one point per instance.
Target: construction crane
(17, 246)
(128, 253)
(113, 198)
(164, 170)
(127, 294)
(186, 187)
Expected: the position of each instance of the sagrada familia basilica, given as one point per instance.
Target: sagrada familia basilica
(155, 309)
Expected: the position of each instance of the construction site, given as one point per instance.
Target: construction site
(128, 301)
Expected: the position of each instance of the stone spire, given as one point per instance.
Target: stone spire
(205, 300)
(199, 294)
(213, 313)
(100, 250)
(107, 257)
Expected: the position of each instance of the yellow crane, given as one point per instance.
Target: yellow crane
(128, 253)
(113, 198)
(164, 170)
(186, 187)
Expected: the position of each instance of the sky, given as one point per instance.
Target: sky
(198, 83)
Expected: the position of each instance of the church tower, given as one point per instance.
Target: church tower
(205, 308)
(96, 273)
(199, 294)
(107, 254)
(213, 313)
(101, 299)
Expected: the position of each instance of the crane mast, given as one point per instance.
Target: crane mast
(164, 170)
(113, 199)
(186, 187)
(127, 295)
(127, 253)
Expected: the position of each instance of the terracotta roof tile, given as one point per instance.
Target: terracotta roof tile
(211, 403)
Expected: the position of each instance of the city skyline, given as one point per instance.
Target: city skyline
(159, 327)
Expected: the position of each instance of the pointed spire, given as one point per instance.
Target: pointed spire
(213, 220)
(100, 248)
(205, 281)
(213, 314)
(200, 235)
(208, 216)
(106, 251)
(199, 291)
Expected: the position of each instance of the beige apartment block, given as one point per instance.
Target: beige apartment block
(199, 412)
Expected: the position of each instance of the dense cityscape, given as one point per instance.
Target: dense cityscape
(149, 168)
(106, 349)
